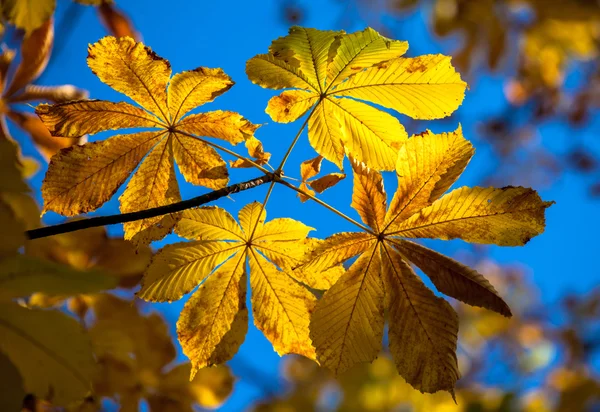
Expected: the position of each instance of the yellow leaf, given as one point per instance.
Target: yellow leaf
(133, 69)
(325, 133)
(281, 308)
(347, 325)
(269, 71)
(193, 88)
(20, 276)
(307, 50)
(154, 184)
(81, 117)
(228, 126)
(423, 328)
(199, 163)
(209, 315)
(28, 14)
(48, 341)
(82, 178)
(337, 249)
(452, 278)
(337, 69)
(361, 50)
(428, 164)
(35, 53)
(11, 168)
(255, 150)
(290, 105)
(179, 268)
(252, 216)
(208, 223)
(281, 229)
(13, 231)
(424, 87)
(510, 216)
(368, 197)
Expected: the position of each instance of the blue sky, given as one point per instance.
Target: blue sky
(227, 33)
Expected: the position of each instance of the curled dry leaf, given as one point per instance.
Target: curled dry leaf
(423, 328)
(82, 178)
(335, 73)
(311, 168)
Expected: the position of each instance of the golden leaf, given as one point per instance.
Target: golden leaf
(214, 321)
(136, 71)
(311, 168)
(333, 70)
(347, 325)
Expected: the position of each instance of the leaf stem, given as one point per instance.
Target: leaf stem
(148, 213)
(325, 205)
(226, 150)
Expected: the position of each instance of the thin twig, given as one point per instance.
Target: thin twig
(148, 213)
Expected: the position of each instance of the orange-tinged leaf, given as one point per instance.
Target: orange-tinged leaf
(82, 178)
(510, 216)
(255, 150)
(153, 185)
(210, 312)
(199, 163)
(368, 196)
(347, 324)
(281, 308)
(228, 126)
(134, 70)
(310, 168)
(76, 118)
(193, 88)
(428, 164)
(423, 328)
(208, 223)
(453, 278)
(325, 182)
(56, 94)
(290, 105)
(117, 23)
(178, 268)
(35, 53)
(47, 144)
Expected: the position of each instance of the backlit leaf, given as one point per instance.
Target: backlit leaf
(333, 70)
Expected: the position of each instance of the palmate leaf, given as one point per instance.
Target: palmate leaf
(214, 321)
(81, 178)
(336, 73)
(347, 324)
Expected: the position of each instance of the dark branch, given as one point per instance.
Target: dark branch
(148, 213)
